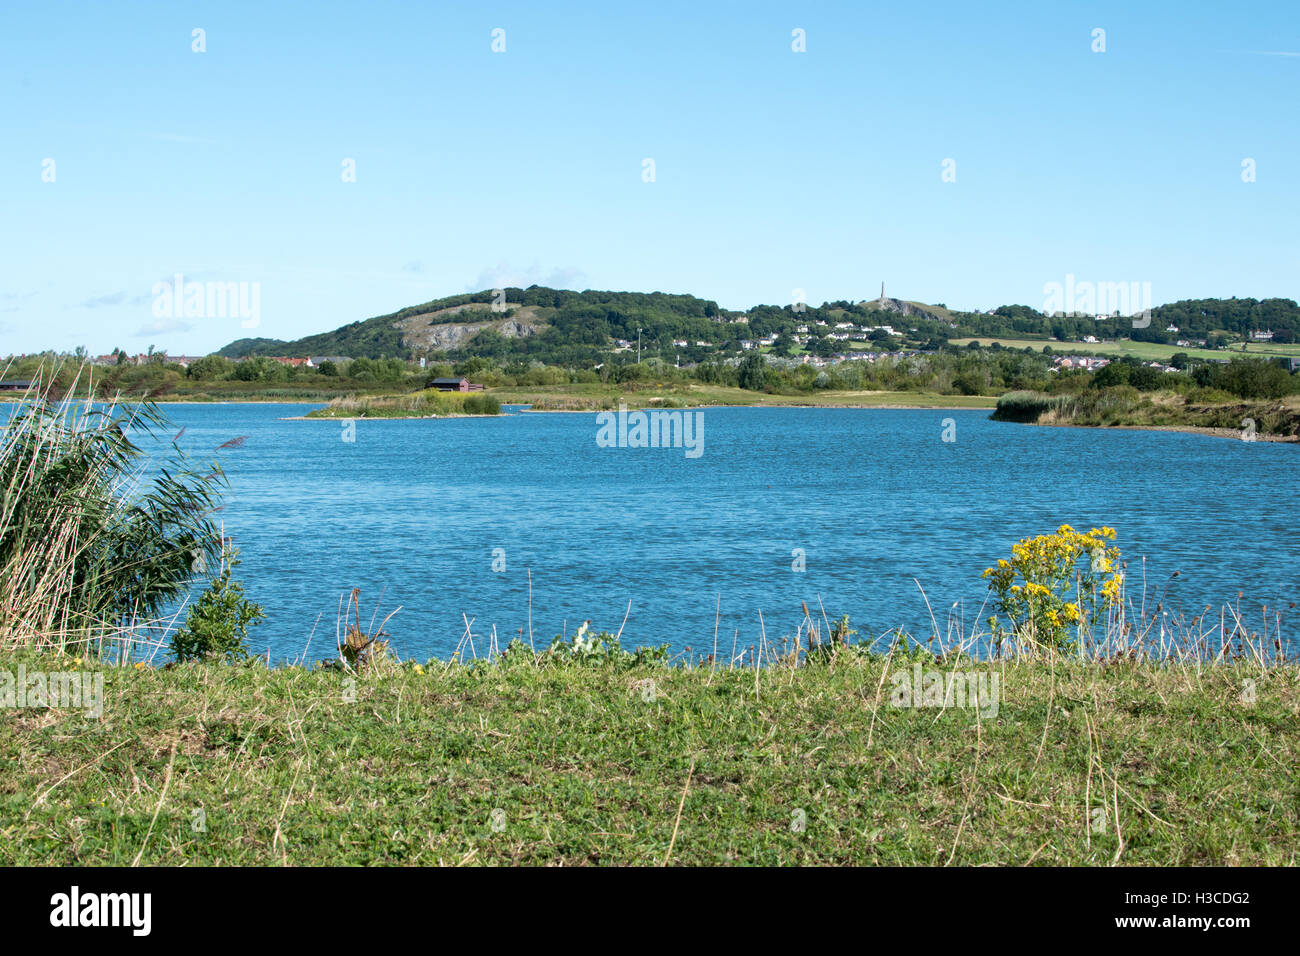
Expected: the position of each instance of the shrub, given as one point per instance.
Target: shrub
(1145, 379)
(217, 625)
(1207, 396)
(480, 404)
(600, 649)
(1023, 406)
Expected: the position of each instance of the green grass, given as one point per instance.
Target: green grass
(1147, 351)
(1131, 762)
(595, 396)
(1124, 406)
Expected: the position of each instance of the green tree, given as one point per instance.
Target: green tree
(210, 368)
(752, 373)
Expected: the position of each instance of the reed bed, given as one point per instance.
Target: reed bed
(98, 539)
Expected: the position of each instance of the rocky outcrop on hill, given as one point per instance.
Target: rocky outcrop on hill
(418, 333)
(909, 308)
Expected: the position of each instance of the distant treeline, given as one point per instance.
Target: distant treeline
(1218, 321)
(947, 370)
(950, 371)
(1243, 378)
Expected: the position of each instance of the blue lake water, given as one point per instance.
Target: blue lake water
(413, 510)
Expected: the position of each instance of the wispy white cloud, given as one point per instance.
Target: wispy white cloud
(113, 299)
(100, 301)
(163, 326)
(503, 275)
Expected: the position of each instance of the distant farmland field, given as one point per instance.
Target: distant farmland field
(1147, 351)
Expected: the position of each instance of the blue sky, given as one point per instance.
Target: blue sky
(774, 170)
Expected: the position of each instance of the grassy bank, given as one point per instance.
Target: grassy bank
(423, 404)
(600, 397)
(533, 761)
(1124, 406)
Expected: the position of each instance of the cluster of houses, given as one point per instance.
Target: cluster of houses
(1090, 364)
(817, 361)
(845, 331)
(803, 334)
(1070, 362)
(840, 332)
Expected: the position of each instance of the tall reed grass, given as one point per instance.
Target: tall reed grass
(97, 537)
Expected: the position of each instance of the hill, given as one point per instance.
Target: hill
(559, 326)
(530, 321)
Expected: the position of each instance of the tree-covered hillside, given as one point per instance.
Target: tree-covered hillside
(557, 326)
(574, 322)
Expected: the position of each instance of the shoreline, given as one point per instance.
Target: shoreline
(376, 418)
(992, 399)
(689, 408)
(1206, 430)
(526, 410)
